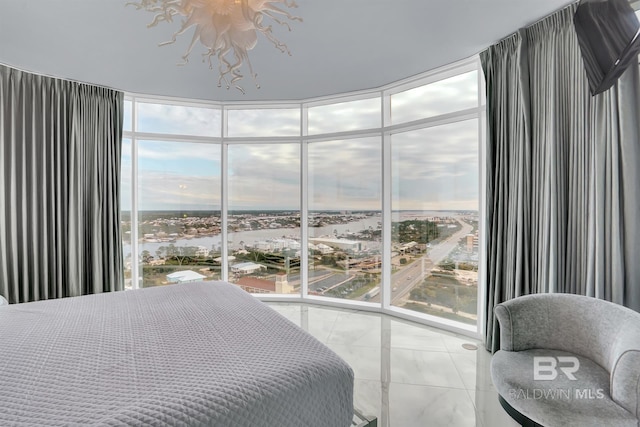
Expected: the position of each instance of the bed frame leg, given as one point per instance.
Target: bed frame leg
(360, 420)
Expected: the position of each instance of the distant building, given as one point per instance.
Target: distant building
(184, 277)
(255, 285)
(324, 249)
(245, 268)
(411, 247)
(342, 244)
(282, 244)
(262, 246)
(370, 264)
(202, 252)
(472, 242)
(282, 284)
(273, 245)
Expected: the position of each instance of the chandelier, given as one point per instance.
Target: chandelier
(228, 29)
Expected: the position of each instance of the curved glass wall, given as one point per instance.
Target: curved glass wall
(369, 199)
(344, 194)
(264, 217)
(434, 253)
(178, 211)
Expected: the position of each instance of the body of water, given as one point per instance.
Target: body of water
(253, 236)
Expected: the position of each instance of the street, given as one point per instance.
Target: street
(405, 279)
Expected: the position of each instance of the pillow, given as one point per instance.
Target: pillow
(3, 301)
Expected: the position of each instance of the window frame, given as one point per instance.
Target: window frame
(385, 133)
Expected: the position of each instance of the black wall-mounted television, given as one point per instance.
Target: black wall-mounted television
(609, 36)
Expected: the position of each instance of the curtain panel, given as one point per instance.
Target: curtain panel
(60, 144)
(563, 180)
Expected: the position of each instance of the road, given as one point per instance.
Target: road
(405, 279)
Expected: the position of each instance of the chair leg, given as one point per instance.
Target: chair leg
(517, 416)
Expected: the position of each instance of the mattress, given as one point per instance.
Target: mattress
(190, 354)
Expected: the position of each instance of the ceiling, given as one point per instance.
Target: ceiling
(342, 45)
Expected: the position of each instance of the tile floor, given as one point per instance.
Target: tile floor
(407, 374)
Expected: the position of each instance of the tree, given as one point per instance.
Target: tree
(448, 265)
(181, 253)
(257, 256)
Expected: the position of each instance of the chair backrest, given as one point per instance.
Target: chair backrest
(606, 333)
(583, 325)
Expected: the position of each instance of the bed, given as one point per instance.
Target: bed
(190, 354)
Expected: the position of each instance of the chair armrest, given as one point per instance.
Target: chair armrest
(506, 327)
(625, 374)
(525, 323)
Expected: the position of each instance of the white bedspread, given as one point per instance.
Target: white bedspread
(189, 354)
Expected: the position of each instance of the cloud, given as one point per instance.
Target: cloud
(345, 116)
(264, 122)
(432, 168)
(345, 174)
(171, 191)
(264, 176)
(436, 168)
(178, 119)
(191, 157)
(178, 175)
(445, 96)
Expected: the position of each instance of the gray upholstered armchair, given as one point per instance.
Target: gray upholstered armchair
(568, 360)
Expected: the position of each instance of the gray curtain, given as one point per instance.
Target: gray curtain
(563, 180)
(60, 145)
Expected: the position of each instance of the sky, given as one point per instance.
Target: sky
(345, 174)
(345, 116)
(436, 168)
(433, 168)
(441, 97)
(264, 176)
(264, 122)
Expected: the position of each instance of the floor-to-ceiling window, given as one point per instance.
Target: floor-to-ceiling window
(344, 197)
(173, 233)
(434, 253)
(264, 217)
(178, 211)
(434, 167)
(371, 197)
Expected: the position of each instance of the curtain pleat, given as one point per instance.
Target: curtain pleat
(629, 146)
(508, 189)
(564, 194)
(59, 187)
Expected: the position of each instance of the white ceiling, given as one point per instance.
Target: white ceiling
(342, 45)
